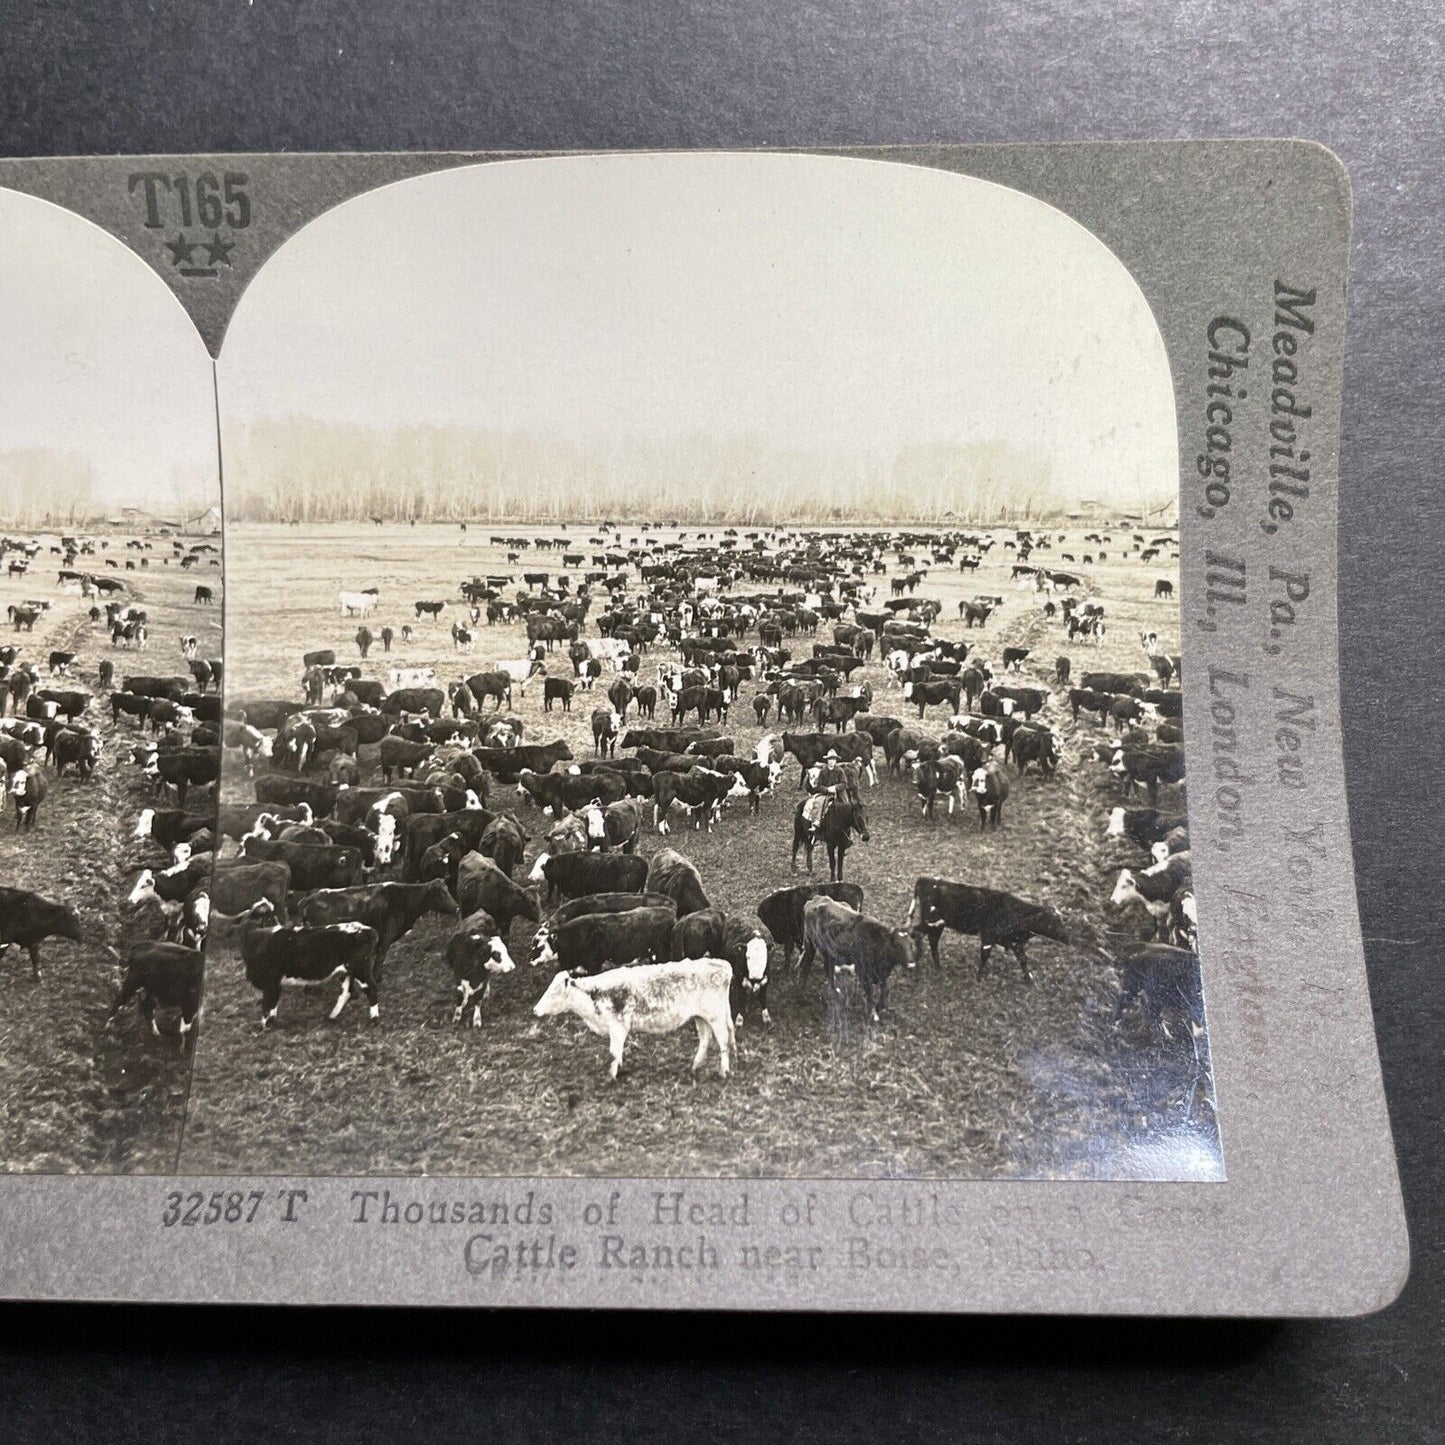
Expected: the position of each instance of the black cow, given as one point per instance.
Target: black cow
(671, 873)
(505, 764)
(391, 909)
(274, 952)
(312, 865)
(566, 792)
(994, 917)
(844, 938)
(781, 911)
(606, 724)
(277, 788)
(557, 689)
(1168, 981)
(700, 790)
(396, 755)
(573, 875)
(237, 885)
(597, 941)
(481, 884)
(162, 975)
(28, 919)
(1034, 744)
(699, 935)
(1162, 763)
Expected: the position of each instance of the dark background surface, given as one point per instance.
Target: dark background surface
(330, 75)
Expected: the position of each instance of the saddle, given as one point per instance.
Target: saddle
(815, 808)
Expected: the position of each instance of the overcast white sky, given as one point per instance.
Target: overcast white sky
(97, 358)
(825, 304)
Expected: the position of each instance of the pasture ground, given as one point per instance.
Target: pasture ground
(78, 1097)
(964, 1078)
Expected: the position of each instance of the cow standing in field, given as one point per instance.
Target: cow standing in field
(28, 919)
(657, 998)
(275, 953)
(162, 975)
(845, 939)
(995, 918)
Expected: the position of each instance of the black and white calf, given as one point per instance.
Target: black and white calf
(275, 954)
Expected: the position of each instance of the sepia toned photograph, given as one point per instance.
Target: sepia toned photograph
(110, 696)
(702, 689)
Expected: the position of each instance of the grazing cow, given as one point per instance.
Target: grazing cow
(497, 685)
(995, 918)
(990, 788)
(429, 609)
(1163, 587)
(504, 841)
(481, 884)
(671, 873)
(592, 941)
(476, 954)
(204, 596)
(312, 865)
(28, 919)
(390, 909)
(162, 975)
(508, 763)
(654, 998)
(844, 938)
(1014, 657)
(275, 953)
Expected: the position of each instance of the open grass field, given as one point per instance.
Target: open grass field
(79, 1097)
(964, 1078)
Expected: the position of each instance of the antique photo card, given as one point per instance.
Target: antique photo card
(780, 739)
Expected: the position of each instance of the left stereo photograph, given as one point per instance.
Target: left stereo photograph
(110, 677)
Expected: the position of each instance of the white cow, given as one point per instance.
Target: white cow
(360, 603)
(651, 998)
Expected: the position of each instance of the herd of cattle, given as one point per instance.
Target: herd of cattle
(373, 795)
(54, 708)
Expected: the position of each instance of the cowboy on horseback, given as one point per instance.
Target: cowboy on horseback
(824, 781)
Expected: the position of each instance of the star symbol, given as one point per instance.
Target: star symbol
(181, 249)
(218, 250)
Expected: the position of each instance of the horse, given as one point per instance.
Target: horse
(842, 818)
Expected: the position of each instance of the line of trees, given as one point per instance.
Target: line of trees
(301, 470)
(41, 488)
